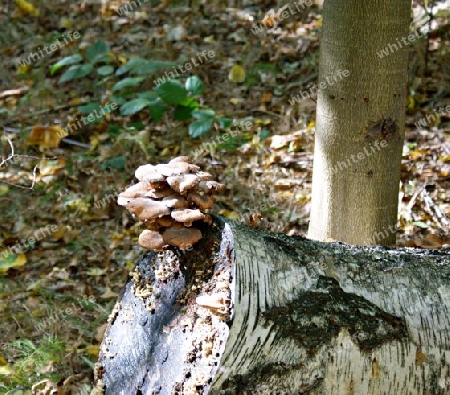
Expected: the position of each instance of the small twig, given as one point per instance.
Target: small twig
(40, 112)
(20, 186)
(411, 203)
(14, 92)
(10, 157)
(433, 209)
(268, 112)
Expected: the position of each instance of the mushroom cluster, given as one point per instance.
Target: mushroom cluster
(169, 199)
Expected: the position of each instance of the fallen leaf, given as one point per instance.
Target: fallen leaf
(51, 167)
(4, 189)
(65, 23)
(6, 370)
(11, 261)
(46, 136)
(310, 126)
(266, 97)
(237, 74)
(50, 367)
(209, 40)
(108, 294)
(92, 350)
(236, 100)
(96, 271)
(100, 332)
(27, 7)
(229, 214)
(23, 69)
(77, 101)
(271, 18)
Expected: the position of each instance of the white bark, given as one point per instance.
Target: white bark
(377, 324)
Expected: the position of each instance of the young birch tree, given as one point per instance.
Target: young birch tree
(360, 120)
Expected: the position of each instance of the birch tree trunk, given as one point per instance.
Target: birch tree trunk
(304, 317)
(360, 121)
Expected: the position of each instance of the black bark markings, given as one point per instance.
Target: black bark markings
(261, 374)
(279, 243)
(383, 129)
(318, 315)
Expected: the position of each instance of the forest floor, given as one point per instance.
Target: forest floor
(56, 293)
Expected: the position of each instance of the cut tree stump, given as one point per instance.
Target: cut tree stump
(286, 315)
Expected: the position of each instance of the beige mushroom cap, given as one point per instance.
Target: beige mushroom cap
(184, 183)
(168, 199)
(135, 191)
(151, 240)
(123, 201)
(182, 237)
(204, 202)
(184, 159)
(165, 222)
(187, 216)
(194, 168)
(175, 201)
(173, 169)
(204, 175)
(147, 209)
(148, 173)
(159, 193)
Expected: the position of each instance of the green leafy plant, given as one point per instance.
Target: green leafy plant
(172, 96)
(184, 100)
(96, 54)
(205, 120)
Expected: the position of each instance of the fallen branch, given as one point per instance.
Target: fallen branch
(302, 317)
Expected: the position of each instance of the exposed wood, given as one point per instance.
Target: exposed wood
(159, 338)
(305, 317)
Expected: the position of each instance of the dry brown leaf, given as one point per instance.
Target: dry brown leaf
(50, 167)
(46, 136)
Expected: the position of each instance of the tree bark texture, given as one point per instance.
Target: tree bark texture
(360, 121)
(304, 317)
